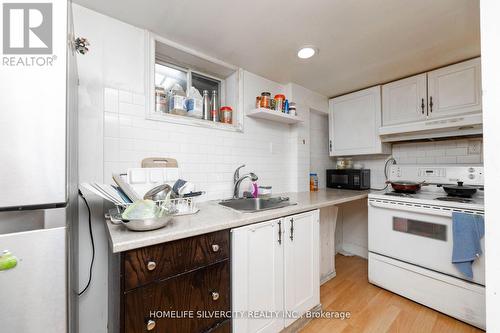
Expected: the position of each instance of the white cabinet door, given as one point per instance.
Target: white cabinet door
(405, 100)
(301, 236)
(455, 89)
(355, 120)
(257, 275)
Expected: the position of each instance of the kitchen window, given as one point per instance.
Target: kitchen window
(177, 79)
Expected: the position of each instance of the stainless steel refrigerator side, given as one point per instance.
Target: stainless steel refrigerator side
(33, 123)
(33, 293)
(72, 177)
(39, 197)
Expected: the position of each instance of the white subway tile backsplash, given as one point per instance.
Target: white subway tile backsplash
(446, 159)
(437, 152)
(125, 97)
(112, 149)
(110, 100)
(138, 99)
(426, 160)
(133, 110)
(469, 159)
(111, 125)
(207, 157)
(457, 151)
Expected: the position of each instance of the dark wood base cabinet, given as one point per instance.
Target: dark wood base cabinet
(177, 287)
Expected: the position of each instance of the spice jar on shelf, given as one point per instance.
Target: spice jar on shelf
(257, 102)
(279, 101)
(292, 109)
(265, 100)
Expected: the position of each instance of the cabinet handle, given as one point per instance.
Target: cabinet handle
(291, 229)
(431, 104)
(151, 265)
(215, 295)
(422, 106)
(279, 232)
(215, 247)
(330, 145)
(151, 324)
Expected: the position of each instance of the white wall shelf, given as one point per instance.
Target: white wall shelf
(273, 115)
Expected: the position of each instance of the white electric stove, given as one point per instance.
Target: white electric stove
(410, 240)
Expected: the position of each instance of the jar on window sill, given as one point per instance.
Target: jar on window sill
(226, 115)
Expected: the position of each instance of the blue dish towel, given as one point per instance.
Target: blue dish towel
(468, 229)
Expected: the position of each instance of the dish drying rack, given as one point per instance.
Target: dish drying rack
(182, 206)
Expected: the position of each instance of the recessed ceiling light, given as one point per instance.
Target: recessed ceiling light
(306, 52)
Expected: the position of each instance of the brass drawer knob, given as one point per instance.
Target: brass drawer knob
(215, 247)
(150, 325)
(215, 295)
(151, 265)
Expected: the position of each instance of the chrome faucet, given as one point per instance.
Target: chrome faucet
(237, 180)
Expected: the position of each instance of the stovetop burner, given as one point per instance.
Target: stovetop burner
(454, 199)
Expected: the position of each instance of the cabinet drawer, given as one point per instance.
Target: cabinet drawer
(145, 265)
(206, 289)
(224, 327)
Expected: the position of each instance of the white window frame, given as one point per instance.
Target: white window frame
(151, 60)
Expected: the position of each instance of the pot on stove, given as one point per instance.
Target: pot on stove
(460, 190)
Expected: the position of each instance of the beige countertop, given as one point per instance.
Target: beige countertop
(214, 217)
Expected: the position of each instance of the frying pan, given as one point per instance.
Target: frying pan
(460, 190)
(405, 186)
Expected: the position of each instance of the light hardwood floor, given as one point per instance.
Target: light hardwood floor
(374, 309)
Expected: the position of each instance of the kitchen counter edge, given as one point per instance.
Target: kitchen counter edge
(214, 217)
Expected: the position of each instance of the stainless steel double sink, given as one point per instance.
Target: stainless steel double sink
(250, 205)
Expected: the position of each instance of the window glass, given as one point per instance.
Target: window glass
(166, 77)
(201, 83)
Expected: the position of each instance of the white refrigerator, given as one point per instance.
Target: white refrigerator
(38, 168)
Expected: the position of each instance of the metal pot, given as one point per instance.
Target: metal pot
(406, 186)
(160, 192)
(115, 216)
(460, 190)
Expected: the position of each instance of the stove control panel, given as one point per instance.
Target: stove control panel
(442, 174)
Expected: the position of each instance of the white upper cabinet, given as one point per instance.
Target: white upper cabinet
(452, 103)
(404, 100)
(355, 120)
(455, 89)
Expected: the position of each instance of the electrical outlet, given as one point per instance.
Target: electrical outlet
(474, 147)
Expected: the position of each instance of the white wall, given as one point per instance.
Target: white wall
(206, 156)
(114, 135)
(490, 62)
(319, 152)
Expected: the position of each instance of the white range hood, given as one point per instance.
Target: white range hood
(436, 128)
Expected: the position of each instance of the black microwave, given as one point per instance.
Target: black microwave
(351, 179)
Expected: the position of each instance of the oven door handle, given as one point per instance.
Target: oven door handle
(419, 208)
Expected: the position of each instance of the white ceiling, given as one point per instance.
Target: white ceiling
(361, 42)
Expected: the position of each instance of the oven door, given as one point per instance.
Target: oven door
(418, 235)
